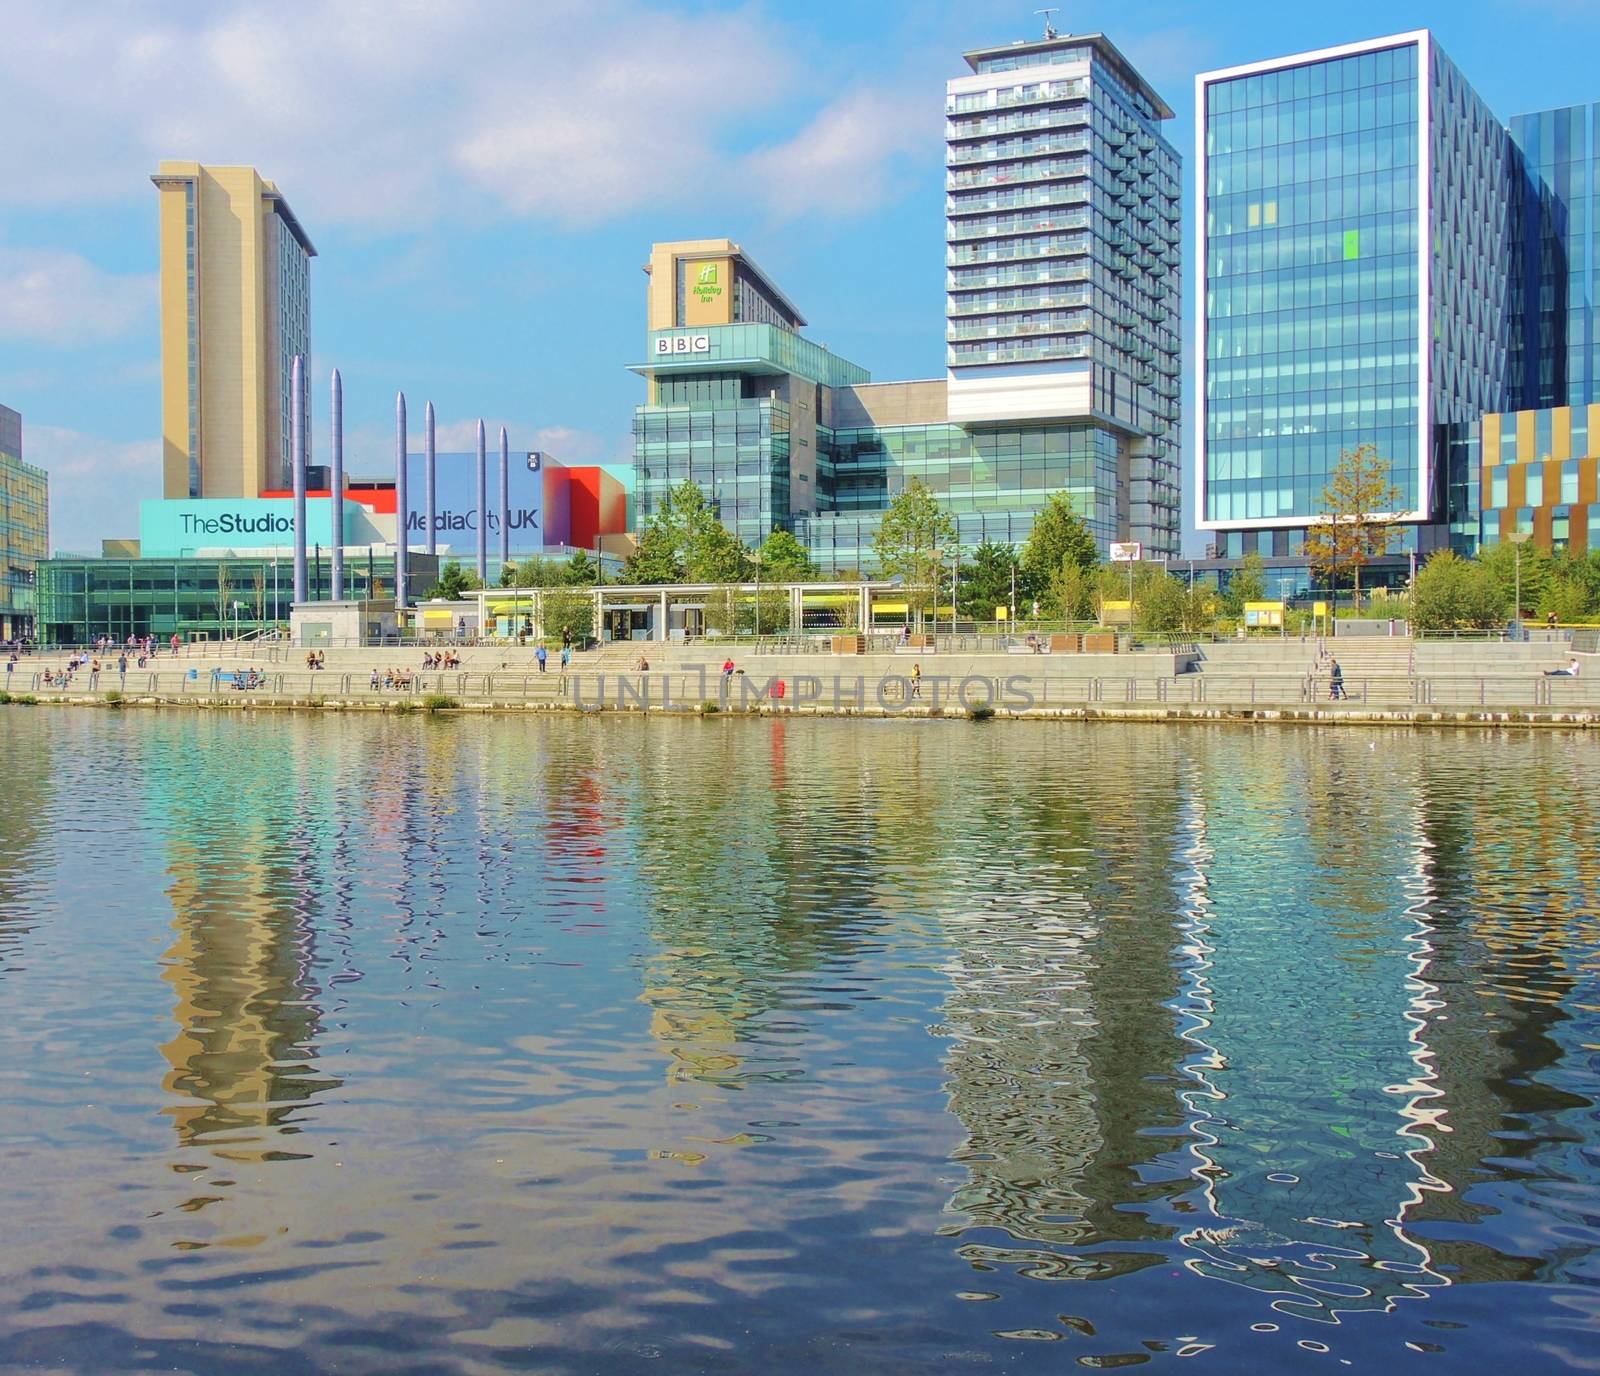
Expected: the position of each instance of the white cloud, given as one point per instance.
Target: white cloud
(55, 297)
(847, 157)
(95, 484)
(372, 113)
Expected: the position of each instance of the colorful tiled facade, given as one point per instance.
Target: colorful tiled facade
(1541, 476)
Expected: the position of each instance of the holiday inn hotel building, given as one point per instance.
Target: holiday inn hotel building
(1062, 288)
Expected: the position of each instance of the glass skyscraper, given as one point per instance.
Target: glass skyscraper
(24, 529)
(1362, 213)
(1063, 231)
(1560, 266)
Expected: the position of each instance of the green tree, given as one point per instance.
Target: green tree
(454, 582)
(654, 560)
(1450, 593)
(1355, 521)
(714, 555)
(533, 573)
(684, 541)
(581, 571)
(915, 538)
(567, 609)
(1071, 594)
(1538, 567)
(1247, 583)
(785, 560)
(1161, 602)
(987, 582)
(1058, 533)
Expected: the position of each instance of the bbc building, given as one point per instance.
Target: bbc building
(1062, 287)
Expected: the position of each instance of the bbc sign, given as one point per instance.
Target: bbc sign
(683, 344)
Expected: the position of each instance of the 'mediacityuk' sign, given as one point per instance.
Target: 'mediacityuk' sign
(455, 512)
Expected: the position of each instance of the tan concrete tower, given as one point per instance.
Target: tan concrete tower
(235, 310)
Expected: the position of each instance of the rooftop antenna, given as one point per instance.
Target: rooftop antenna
(1049, 28)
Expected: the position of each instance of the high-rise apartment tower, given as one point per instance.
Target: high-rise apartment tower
(235, 310)
(1064, 233)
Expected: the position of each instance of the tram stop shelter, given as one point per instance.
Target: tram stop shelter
(673, 611)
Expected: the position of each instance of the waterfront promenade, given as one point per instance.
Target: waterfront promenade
(1383, 678)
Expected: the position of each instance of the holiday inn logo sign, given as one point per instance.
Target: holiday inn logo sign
(707, 283)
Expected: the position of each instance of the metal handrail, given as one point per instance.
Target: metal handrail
(1509, 691)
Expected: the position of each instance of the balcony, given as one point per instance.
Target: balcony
(1017, 173)
(1041, 93)
(972, 306)
(1075, 322)
(1028, 353)
(1062, 247)
(1057, 270)
(992, 126)
(1042, 196)
(1004, 149)
(1046, 223)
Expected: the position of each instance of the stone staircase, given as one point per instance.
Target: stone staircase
(1377, 669)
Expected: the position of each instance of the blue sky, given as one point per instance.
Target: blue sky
(483, 180)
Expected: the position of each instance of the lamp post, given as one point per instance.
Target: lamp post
(1519, 539)
(236, 608)
(935, 564)
(955, 587)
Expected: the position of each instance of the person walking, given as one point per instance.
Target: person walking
(541, 655)
(122, 670)
(916, 680)
(566, 659)
(1336, 691)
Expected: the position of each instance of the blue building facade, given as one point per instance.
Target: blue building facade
(1365, 225)
(1559, 148)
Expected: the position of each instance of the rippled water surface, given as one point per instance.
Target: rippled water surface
(604, 1045)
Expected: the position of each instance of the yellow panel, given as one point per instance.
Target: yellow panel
(708, 291)
(1561, 433)
(1525, 438)
(1489, 440)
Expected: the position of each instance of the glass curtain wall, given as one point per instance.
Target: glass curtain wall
(1311, 279)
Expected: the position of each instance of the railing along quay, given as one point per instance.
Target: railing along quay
(838, 690)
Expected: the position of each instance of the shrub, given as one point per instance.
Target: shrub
(403, 709)
(709, 708)
(113, 698)
(438, 702)
(1449, 592)
(982, 712)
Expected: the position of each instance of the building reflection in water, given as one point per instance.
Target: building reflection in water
(243, 888)
(1513, 914)
(1314, 1114)
(30, 790)
(753, 886)
(1062, 1065)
